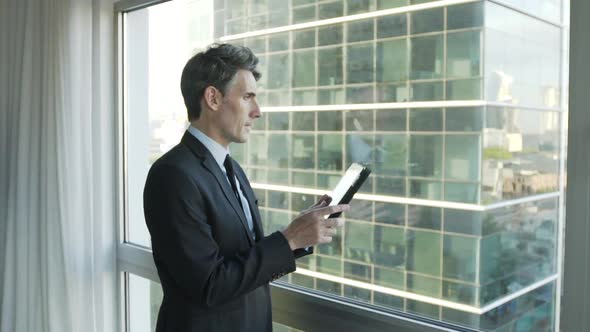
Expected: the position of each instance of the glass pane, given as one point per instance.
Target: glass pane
(429, 91)
(464, 119)
(392, 26)
(330, 121)
(330, 159)
(391, 120)
(279, 42)
(458, 260)
(303, 152)
(465, 15)
(304, 68)
(385, 4)
(359, 6)
(435, 155)
(276, 64)
(463, 54)
(330, 10)
(390, 154)
(304, 14)
(425, 155)
(145, 298)
(278, 148)
(330, 66)
(304, 121)
(330, 35)
(426, 119)
(462, 157)
(392, 61)
(427, 57)
(360, 120)
(360, 30)
(424, 257)
(278, 121)
(424, 217)
(360, 63)
(427, 20)
(304, 38)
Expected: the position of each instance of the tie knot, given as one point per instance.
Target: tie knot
(227, 161)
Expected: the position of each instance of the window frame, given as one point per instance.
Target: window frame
(304, 310)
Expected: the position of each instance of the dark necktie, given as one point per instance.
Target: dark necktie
(229, 169)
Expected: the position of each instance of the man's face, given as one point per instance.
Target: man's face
(239, 108)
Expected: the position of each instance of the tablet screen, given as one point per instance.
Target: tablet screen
(348, 180)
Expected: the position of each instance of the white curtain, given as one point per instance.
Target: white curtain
(57, 170)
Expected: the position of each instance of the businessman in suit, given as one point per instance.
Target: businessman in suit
(212, 257)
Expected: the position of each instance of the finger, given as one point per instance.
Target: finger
(323, 201)
(329, 232)
(331, 209)
(325, 239)
(333, 222)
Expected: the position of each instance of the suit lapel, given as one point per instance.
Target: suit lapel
(209, 163)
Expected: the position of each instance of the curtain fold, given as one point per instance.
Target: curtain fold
(57, 166)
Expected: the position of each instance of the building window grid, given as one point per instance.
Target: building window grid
(405, 227)
(343, 133)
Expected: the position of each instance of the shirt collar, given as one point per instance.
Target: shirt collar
(216, 149)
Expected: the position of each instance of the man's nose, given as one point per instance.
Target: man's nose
(256, 112)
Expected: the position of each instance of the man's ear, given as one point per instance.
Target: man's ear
(212, 98)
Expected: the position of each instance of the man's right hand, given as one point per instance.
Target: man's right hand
(311, 226)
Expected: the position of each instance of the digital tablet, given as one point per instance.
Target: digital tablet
(349, 184)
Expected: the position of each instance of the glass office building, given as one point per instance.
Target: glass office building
(452, 104)
(456, 106)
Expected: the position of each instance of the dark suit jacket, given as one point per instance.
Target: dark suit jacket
(214, 274)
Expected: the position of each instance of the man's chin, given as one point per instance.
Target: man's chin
(242, 139)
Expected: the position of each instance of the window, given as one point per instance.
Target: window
(458, 224)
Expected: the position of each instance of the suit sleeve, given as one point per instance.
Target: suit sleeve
(183, 244)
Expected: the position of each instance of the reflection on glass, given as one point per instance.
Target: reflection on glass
(304, 38)
(464, 119)
(463, 54)
(304, 68)
(360, 30)
(427, 91)
(392, 61)
(330, 35)
(303, 151)
(391, 120)
(474, 155)
(465, 15)
(459, 261)
(360, 63)
(427, 20)
(304, 121)
(304, 14)
(359, 149)
(392, 26)
(278, 148)
(426, 119)
(425, 155)
(424, 252)
(462, 157)
(276, 65)
(330, 10)
(331, 157)
(330, 66)
(426, 57)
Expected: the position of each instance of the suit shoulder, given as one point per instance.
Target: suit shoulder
(178, 158)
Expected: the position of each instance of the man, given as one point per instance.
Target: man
(212, 257)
